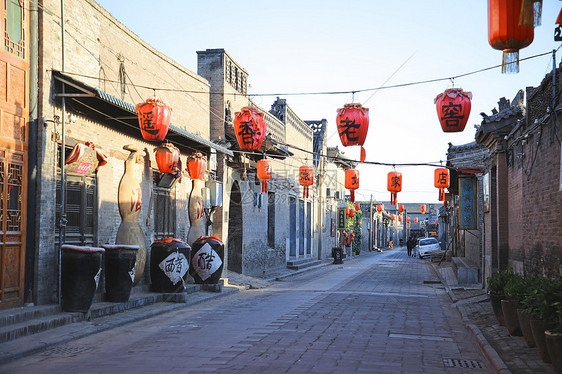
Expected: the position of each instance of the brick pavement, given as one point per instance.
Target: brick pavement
(374, 313)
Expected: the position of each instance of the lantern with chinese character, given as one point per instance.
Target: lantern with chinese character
(394, 185)
(401, 208)
(453, 109)
(422, 208)
(264, 173)
(506, 33)
(249, 127)
(167, 158)
(379, 207)
(352, 182)
(442, 180)
(407, 219)
(306, 178)
(154, 119)
(196, 165)
(357, 206)
(558, 28)
(399, 218)
(416, 220)
(392, 216)
(353, 123)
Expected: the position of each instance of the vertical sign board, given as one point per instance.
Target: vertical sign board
(341, 218)
(467, 189)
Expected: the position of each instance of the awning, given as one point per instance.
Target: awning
(108, 110)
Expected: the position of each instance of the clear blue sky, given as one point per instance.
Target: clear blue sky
(314, 46)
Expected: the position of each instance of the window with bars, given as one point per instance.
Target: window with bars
(164, 212)
(81, 210)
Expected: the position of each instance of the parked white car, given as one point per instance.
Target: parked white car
(427, 245)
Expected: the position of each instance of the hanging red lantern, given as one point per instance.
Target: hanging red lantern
(351, 213)
(453, 109)
(357, 206)
(352, 182)
(415, 219)
(422, 208)
(353, 123)
(401, 208)
(347, 211)
(196, 165)
(407, 219)
(167, 158)
(306, 178)
(249, 127)
(436, 222)
(506, 33)
(394, 185)
(392, 216)
(399, 218)
(379, 208)
(442, 180)
(154, 117)
(264, 173)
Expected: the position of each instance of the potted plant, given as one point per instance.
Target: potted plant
(514, 290)
(496, 284)
(537, 303)
(523, 310)
(553, 324)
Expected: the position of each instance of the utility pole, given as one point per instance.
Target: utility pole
(320, 204)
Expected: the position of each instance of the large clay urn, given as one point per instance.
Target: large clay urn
(129, 197)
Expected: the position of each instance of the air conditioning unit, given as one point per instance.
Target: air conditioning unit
(337, 195)
(328, 192)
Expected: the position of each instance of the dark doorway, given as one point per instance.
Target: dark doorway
(235, 229)
(301, 228)
(308, 228)
(292, 227)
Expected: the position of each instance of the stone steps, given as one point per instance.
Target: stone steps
(302, 263)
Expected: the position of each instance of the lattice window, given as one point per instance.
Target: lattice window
(13, 213)
(14, 27)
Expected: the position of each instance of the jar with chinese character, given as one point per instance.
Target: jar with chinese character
(208, 260)
(169, 265)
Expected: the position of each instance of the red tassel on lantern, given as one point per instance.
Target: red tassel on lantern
(264, 173)
(352, 182)
(306, 178)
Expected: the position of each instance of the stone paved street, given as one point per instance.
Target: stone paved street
(377, 313)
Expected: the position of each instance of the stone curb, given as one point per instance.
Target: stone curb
(42, 341)
(497, 363)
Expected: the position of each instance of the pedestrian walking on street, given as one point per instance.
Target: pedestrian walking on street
(409, 245)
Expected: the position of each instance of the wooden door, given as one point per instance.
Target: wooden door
(14, 118)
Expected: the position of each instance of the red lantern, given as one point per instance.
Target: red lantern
(442, 180)
(306, 178)
(506, 33)
(353, 123)
(392, 216)
(399, 218)
(394, 185)
(154, 119)
(379, 208)
(167, 158)
(249, 127)
(401, 208)
(415, 219)
(264, 173)
(436, 222)
(453, 109)
(422, 208)
(407, 219)
(352, 182)
(351, 213)
(357, 206)
(196, 165)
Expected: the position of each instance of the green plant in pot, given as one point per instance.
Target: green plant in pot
(514, 291)
(552, 316)
(517, 290)
(496, 284)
